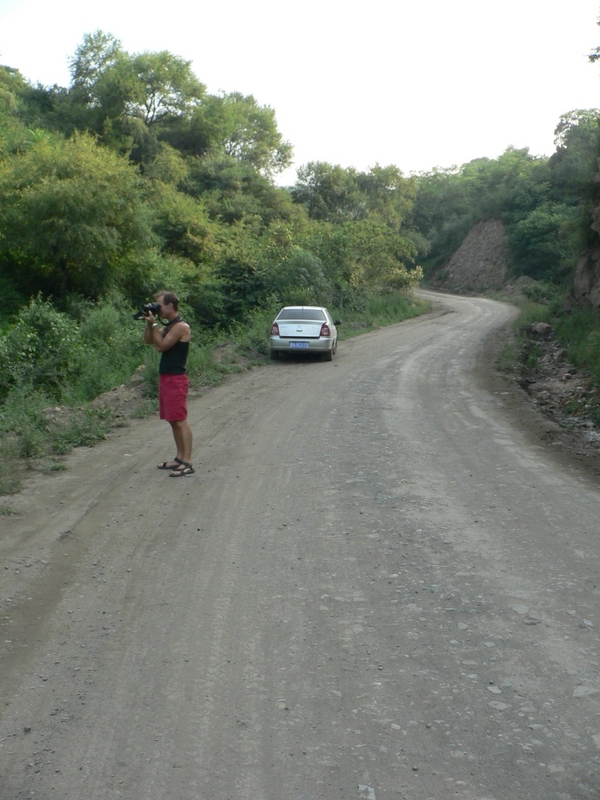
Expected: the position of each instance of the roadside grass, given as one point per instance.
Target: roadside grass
(42, 419)
(577, 331)
(380, 310)
(541, 303)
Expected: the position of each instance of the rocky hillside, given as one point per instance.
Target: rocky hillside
(481, 262)
(586, 283)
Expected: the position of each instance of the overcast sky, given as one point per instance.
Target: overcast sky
(415, 83)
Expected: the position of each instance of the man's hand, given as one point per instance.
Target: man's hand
(151, 327)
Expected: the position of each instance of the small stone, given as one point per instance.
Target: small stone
(494, 690)
(498, 706)
(541, 329)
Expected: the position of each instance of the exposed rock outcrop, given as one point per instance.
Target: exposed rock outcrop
(586, 283)
(481, 262)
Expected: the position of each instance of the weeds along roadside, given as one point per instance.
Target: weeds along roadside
(575, 332)
(69, 379)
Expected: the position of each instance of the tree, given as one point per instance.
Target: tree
(540, 245)
(166, 88)
(96, 55)
(102, 81)
(119, 91)
(234, 125)
(183, 225)
(12, 130)
(236, 192)
(70, 212)
(388, 193)
(378, 254)
(328, 192)
(574, 164)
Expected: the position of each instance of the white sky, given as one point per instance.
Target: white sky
(415, 83)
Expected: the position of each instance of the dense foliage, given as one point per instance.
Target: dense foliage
(134, 178)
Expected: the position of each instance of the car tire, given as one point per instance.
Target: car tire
(329, 355)
(274, 355)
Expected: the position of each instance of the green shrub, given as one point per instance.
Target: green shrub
(71, 361)
(543, 293)
(579, 331)
(43, 349)
(24, 421)
(113, 347)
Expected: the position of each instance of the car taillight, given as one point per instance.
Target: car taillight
(274, 329)
(325, 330)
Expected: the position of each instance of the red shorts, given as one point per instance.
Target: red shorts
(172, 397)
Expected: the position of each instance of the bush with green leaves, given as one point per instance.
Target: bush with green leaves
(301, 273)
(579, 331)
(113, 344)
(43, 350)
(539, 243)
(71, 360)
(548, 294)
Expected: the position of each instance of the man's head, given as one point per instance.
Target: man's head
(169, 304)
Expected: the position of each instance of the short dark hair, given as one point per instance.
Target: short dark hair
(169, 298)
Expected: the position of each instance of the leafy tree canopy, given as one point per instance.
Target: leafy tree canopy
(152, 87)
(237, 126)
(69, 212)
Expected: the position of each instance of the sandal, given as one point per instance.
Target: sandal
(169, 465)
(182, 471)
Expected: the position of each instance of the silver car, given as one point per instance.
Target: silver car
(303, 329)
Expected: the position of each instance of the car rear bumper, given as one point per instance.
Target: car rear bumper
(279, 345)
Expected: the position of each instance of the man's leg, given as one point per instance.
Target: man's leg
(182, 433)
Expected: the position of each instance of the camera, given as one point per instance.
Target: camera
(147, 308)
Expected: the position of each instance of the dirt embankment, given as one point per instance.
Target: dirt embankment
(481, 262)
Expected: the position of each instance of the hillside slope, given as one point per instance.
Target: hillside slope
(481, 262)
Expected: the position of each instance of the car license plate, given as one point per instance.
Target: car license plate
(298, 344)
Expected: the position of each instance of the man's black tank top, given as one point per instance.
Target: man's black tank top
(172, 361)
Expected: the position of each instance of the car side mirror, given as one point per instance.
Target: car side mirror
(336, 322)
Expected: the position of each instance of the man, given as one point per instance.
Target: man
(172, 341)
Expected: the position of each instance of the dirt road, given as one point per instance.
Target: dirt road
(381, 582)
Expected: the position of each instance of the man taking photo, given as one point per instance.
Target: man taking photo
(173, 342)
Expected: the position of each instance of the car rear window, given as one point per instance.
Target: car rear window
(302, 313)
